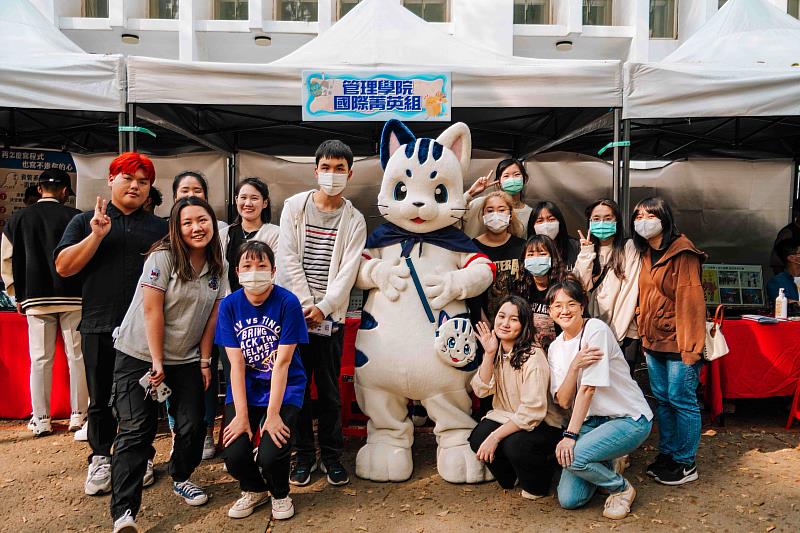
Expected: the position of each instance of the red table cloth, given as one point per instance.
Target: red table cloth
(15, 368)
(764, 361)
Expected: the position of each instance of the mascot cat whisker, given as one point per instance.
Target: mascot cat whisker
(415, 340)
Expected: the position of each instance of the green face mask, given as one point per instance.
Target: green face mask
(512, 185)
(602, 229)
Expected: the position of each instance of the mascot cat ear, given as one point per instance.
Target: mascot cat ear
(459, 140)
(395, 134)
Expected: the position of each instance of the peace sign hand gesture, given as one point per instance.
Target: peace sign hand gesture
(101, 222)
(481, 184)
(586, 241)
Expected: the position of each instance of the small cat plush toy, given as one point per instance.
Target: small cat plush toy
(418, 267)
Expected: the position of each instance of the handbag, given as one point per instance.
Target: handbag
(716, 346)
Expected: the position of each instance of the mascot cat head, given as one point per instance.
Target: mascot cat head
(423, 179)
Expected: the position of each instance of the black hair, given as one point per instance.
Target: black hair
(176, 181)
(523, 343)
(263, 190)
(562, 239)
(505, 163)
(32, 191)
(572, 286)
(256, 250)
(49, 187)
(658, 207)
(155, 196)
(334, 149)
(523, 282)
(785, 248)
(617, 260)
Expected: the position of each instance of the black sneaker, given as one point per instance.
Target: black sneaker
(300, 474)
(678, 475)
(337, 475)
(663, 461)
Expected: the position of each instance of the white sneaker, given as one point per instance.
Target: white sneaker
(82, 435)
(191, 493)
(98, 479)
(528, 496)
(282, 509)
(125, 524)
(209, 448)
(149, 474)
(618, 504)
(244, 506)
(40, 426)
(76, 421)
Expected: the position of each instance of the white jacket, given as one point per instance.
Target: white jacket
(347, 250)
(267, 233)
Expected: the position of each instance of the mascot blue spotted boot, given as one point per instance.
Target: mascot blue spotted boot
(414, 342)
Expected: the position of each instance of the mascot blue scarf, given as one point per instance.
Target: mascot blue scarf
(448, 238)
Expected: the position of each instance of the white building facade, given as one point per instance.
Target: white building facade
(236, 31)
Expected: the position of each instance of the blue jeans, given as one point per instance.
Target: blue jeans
(602, 439)
(674, 384)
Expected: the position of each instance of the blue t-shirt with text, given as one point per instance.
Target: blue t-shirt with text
(258, 331)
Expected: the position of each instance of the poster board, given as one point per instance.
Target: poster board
(733, 285)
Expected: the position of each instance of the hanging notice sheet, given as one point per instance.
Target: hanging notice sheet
(20, 168)
(733, 285)
(370, 96)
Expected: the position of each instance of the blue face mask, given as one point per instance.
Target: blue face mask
(602, 229)
(539, 265)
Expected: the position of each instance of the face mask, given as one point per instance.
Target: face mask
(256, 281)
(647, 227)
(538, 266)
(496, 222)
(512, 185)
(331, 183)
(603, 230)
(549, 229)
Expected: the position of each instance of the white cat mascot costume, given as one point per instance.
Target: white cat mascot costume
(419, 269)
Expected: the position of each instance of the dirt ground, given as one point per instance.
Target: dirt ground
(749, 481)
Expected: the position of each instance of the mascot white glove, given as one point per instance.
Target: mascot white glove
(390, 277)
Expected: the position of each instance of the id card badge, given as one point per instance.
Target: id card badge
(323, 329)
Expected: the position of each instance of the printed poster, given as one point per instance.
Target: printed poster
(734, 285)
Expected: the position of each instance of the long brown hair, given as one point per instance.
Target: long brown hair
(617, 260)
(523, 345)
(523, 282)
(173, 242)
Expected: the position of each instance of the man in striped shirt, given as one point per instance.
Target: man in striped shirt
(319, 252)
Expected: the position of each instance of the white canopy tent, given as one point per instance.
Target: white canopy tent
(40, 68)
(382, 34)
(745, 61)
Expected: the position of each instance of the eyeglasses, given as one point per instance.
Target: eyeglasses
(571, 306)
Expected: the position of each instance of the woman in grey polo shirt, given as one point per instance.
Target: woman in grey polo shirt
(175, 305)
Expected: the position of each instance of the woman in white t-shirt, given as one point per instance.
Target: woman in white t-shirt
(610, 416)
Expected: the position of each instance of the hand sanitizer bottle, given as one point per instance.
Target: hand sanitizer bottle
(781, 305)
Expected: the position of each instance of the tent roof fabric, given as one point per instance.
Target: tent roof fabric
(41, 68)
(739, 64)
(382, 35)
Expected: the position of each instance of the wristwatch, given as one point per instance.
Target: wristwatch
(570, 435)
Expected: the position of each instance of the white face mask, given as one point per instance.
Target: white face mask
(256, 281)
(496, 222)
(647, 227)
(549, 229)
(331, 183)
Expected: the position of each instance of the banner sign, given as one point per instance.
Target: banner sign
(733, 285)
(369, 96)
(20, 168)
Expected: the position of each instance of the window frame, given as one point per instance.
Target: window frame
(84, 8)
(447, 10)
(150, 9)
(611, 14)
(217, 4)
(550, 11)
(674, 22)
(276, 5)
(339, 8)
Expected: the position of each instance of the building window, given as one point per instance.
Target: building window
(663, 19)
(597, 12)
(95, 9)
(793, 8)
(230, 9)
(345, 6)
(163, 9)
(532, 12)
(430, 10)
(297, 10)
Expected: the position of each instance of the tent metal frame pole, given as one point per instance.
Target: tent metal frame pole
(131, 122)
(121, 141)
(232, 170)
(625, 176)
(616, 168)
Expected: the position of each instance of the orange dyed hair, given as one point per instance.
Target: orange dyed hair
(130, 162)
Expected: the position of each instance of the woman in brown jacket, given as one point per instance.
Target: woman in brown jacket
(671, 322)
